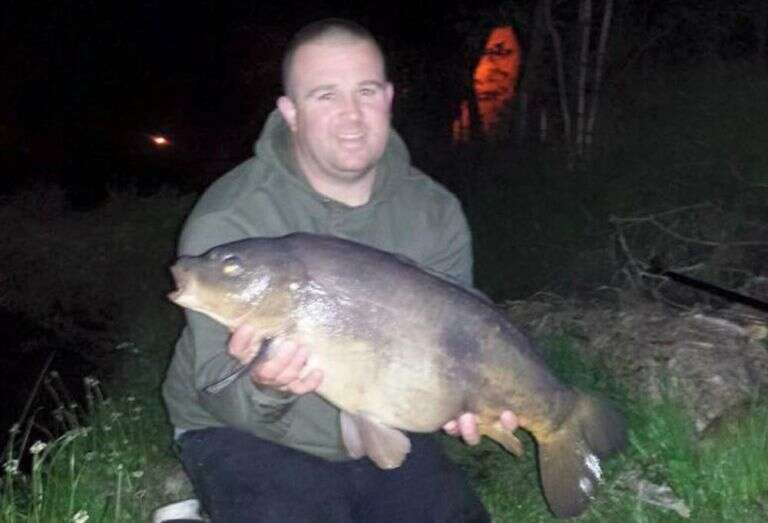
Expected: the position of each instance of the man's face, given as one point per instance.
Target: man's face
(338, 109)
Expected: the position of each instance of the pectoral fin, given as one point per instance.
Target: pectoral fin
(364, 436)
(350, 435)
(240, 370)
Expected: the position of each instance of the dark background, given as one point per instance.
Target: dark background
(85, 82)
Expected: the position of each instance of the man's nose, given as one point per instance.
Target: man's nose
(351, 107)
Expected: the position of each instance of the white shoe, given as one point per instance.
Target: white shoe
(187, 511)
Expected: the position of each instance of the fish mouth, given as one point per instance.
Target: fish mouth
(181, 279)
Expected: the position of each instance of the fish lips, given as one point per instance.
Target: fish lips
(182, 279)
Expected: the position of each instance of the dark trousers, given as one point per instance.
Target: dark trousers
(240, 478)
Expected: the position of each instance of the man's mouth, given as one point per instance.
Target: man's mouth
(352, 140)
(356, 137)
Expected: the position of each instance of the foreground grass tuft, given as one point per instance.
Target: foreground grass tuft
(95, 471)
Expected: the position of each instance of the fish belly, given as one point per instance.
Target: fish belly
(412, 394)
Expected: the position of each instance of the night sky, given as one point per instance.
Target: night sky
(90, 76)
(84, 83)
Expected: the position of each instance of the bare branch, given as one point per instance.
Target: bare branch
(598, 81)
(653, 220)
(629, 61)
(677, 210)
(585, 23)
(558, 48)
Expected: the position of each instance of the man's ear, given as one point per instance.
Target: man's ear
(288, 110)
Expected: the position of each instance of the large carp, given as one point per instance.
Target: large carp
(403, 350)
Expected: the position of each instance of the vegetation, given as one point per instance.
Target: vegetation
(101, 468)
(690, 136)
(106, 456)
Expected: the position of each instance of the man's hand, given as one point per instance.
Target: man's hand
(284, 369)
(466, 426)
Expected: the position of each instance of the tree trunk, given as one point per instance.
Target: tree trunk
(557, 46)
(532, 74)
(761, 28)
(543, 125)
(522, 116)
(585, 23)
(597, 87)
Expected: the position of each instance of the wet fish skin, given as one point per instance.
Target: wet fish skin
(403, 350)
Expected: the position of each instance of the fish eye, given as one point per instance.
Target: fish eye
(231, 265)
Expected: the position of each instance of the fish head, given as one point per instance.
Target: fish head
(232, 282)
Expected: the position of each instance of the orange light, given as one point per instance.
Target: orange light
(160, 141)
(496, 75)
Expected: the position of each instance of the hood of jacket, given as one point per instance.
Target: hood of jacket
(274, 147)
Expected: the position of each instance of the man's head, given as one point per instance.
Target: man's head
(328, 29)
(337, 104)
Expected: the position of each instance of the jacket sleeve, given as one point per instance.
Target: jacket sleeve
(242, 404)
(452, 254)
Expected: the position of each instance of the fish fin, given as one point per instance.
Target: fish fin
(350, 435)
(385, 446)
(569, 458)
(503, 437)
(261, 355)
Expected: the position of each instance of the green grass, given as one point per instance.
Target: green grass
(101, 467)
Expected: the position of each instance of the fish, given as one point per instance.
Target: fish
(403, 350)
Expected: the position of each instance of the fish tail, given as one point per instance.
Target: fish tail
(570, 457)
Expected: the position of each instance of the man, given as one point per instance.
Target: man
(267, 448)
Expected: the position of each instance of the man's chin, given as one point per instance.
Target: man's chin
(354, 170)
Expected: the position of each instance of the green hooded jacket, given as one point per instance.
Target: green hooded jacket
(408, 214)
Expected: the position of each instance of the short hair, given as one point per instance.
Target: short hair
(327, 28)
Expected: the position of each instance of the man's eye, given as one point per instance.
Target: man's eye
(368, 91)
(325, 96)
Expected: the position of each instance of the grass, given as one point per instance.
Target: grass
(96, 470)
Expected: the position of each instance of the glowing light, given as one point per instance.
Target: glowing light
(496, 75)
(160, 141)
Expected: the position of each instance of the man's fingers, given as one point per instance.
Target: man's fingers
(452, 427)
(281, 357)
(290, 372)
(284, 368)
(240, 342)
(468, 428)
(509, 421)
(309, 383)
